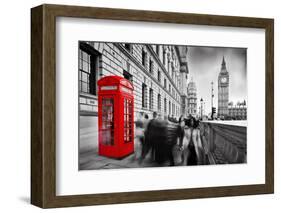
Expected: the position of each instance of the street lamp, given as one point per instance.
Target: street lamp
(201, 101)
(204, 107)
(212, 101)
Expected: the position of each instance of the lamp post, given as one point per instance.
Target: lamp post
(212, 99)
(204, 108)
(201, 101)
(212, 93)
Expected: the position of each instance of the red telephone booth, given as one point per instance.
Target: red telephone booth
(116, 116)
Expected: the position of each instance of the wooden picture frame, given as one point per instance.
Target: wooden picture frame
(43, 105)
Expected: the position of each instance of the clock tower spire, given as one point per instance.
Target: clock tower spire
(223, 90)
(223, 65)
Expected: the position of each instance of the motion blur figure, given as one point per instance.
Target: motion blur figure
(159, 141)
(178, 148)
(173, 143)
(192, 146)
(141, 125)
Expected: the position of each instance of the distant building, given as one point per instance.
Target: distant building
(238, 112)
(158, 73)
(192, 98)
(223, 91)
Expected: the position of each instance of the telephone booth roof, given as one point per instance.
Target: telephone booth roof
(115, 80)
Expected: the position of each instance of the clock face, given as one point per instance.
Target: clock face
(224, 80)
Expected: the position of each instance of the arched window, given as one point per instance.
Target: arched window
(151, 99)
(151, 66)
(159, 76)
(144, 95)
(159, 102)
(165, 105)
(144, 57)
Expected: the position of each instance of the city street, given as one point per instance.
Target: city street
(227, 146)
(88, 150)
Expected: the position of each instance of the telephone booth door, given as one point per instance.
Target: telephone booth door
(128, 120)
(107, 130)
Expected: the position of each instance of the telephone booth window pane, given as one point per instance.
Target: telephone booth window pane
(107, 121)
(128, 106)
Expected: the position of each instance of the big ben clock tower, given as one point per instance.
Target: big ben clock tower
(223, 90)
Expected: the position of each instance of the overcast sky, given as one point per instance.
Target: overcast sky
(204, 67)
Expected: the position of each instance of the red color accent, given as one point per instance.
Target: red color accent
(115, 140)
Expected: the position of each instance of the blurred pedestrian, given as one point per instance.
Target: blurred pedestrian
(139, 135)
(154, 115)
(193, 150)
(178, 147)
(145, 122)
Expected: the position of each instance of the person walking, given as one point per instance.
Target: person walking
(178, 147)
(192, 145)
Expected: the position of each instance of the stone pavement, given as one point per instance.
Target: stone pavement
(89, 158)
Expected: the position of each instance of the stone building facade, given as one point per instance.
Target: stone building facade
(237, 112)
(158, 72)
(192, 98)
